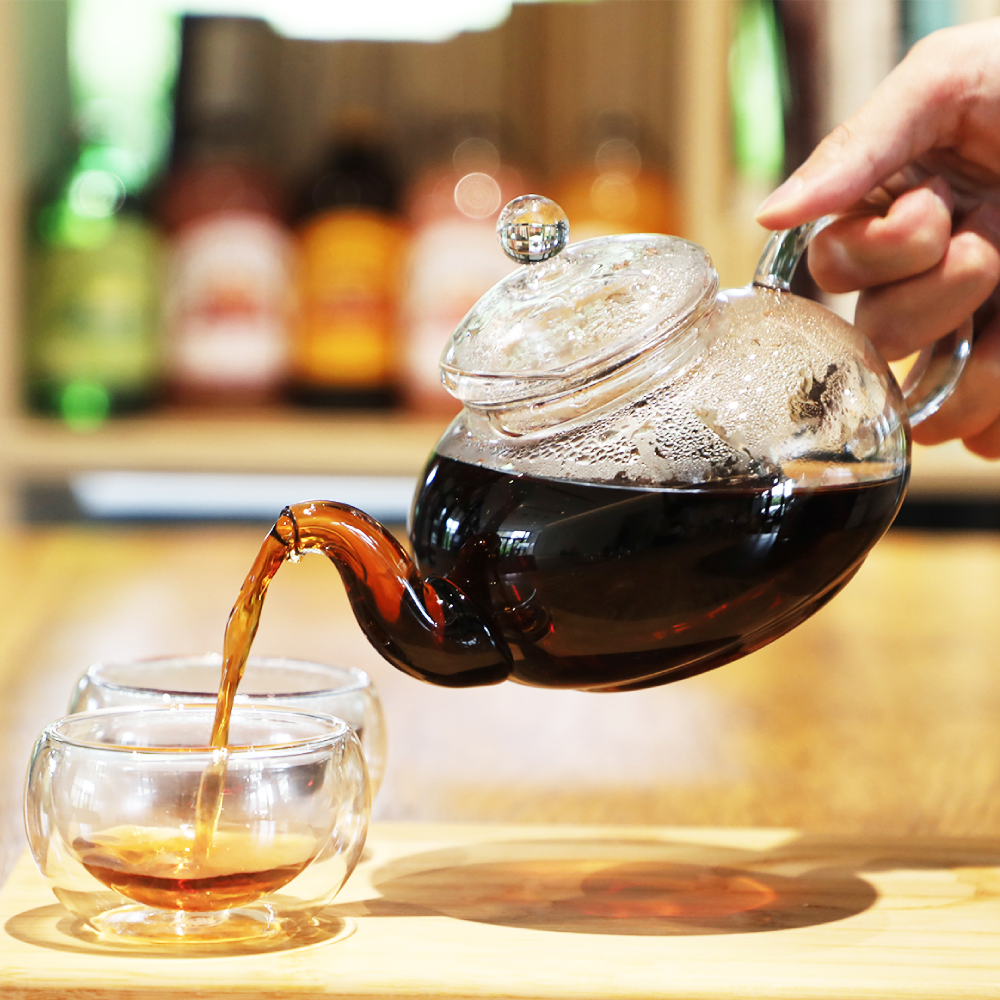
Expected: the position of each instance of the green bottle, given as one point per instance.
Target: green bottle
(93, 303)
(93, 316)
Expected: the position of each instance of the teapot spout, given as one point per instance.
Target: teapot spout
(427, 628)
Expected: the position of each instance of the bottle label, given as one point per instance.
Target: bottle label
(228, 303)
(95, 310)
(349, 284)
(453, 261)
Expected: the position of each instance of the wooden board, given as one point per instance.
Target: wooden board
(583, 912)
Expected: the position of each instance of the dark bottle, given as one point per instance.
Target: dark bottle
(229, 279)
(350, 242)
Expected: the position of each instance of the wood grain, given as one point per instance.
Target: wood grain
(872, 727)
(530, 912)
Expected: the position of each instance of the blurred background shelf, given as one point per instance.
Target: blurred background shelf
(280, 441)
(209, 465)
(545, 68)
(533, 71)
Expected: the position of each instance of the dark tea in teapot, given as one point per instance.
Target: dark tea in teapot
(610, 588)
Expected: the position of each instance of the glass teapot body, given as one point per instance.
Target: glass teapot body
(649, 477)
(628, 517)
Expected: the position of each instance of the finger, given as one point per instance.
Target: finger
(971, 412)
(917, 107)
(859, 251)
(986, 443)
(908, 315)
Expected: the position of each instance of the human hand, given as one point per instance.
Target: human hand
(915, 175)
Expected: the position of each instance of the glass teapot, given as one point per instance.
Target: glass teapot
(650, 477)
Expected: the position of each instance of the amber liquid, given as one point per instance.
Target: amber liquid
(240, 631)
(213, 868)
(163, 869)
(548, 582)
(242, 627)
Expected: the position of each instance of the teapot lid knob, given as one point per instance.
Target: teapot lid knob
(532, 228)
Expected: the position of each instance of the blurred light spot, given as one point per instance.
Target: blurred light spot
(477, 195)
(84, 405)
(97, 193)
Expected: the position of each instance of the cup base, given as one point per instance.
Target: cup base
(140, 924)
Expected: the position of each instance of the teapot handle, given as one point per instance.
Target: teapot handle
(937, 369)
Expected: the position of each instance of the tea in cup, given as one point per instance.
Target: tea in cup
(150, 835)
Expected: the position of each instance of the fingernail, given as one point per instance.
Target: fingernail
(943, 190)
(785, 192)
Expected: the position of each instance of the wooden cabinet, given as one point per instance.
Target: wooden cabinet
(544, 70)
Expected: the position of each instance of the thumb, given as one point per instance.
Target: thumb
(912, 111)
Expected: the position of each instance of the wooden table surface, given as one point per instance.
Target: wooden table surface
(879, 716)
(872, 731)
(548, 912)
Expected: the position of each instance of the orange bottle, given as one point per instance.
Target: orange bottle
(615, 189)
(351, 241)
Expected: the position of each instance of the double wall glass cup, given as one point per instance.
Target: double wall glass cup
(149, 835)
(344, 692)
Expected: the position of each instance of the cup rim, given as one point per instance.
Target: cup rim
(359, 679)
(338, 732)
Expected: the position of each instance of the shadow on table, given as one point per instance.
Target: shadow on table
(648, 887)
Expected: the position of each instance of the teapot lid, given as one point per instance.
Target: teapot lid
(551, 326)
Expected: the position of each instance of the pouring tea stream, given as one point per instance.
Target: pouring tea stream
(650, 477)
